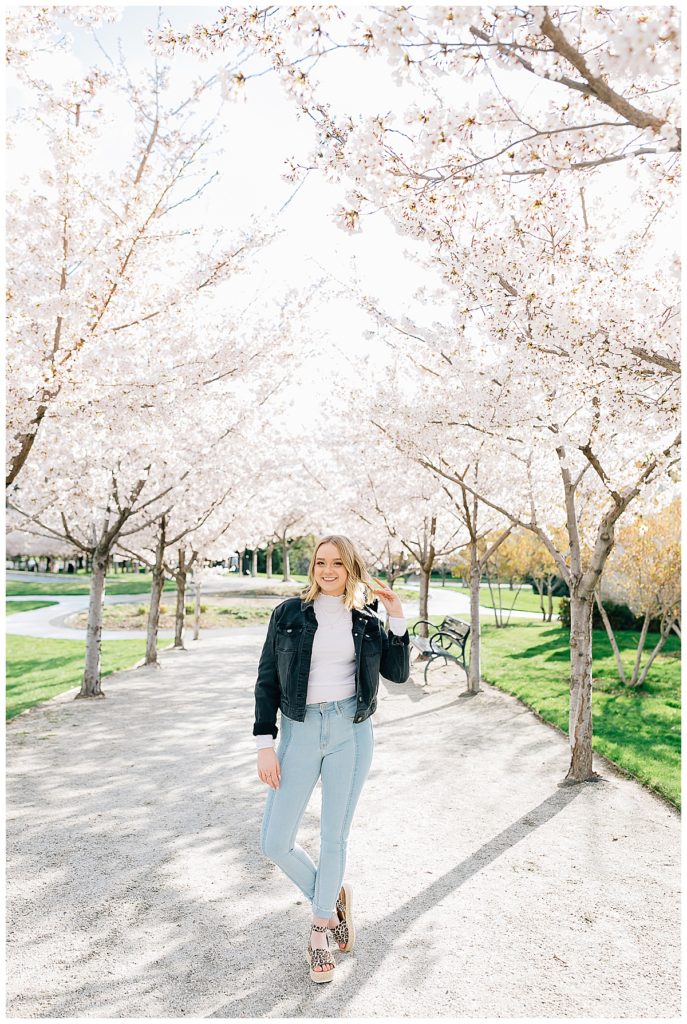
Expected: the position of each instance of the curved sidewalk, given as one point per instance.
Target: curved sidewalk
(50, 622)
(484, 888)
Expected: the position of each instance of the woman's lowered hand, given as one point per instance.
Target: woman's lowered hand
(269, 771)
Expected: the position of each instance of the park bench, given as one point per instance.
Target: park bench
(445, 641)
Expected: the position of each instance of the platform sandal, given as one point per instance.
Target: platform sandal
(320, 957)
(344, 932)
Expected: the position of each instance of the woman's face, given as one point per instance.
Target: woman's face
(330, 573)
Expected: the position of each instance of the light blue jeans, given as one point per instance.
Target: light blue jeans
(330, 744)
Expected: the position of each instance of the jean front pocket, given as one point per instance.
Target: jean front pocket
(347, 708)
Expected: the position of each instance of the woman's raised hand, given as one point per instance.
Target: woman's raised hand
(391, 601)
(269, 771)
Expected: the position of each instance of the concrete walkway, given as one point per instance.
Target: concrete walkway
(485, 888)
(50, 622)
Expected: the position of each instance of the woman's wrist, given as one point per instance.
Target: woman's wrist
(262, 742)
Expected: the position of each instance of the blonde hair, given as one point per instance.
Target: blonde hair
(359, 578)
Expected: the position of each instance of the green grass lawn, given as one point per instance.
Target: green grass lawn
(524, 601)
(116, 583)
(12, 607)
(38, 669)
(637, 730)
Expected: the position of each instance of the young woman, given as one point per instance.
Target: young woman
(320, 666)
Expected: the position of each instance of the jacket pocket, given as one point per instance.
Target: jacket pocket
(288, 638)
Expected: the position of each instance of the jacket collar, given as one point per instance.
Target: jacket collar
(367, 612)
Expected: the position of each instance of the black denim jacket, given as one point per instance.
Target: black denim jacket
(285, 662)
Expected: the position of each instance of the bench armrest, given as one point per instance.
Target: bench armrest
(420, 622)
(453, 640)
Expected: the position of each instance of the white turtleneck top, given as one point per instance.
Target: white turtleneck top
(332, 665)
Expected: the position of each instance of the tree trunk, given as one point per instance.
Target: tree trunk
(286, 577)
(196, 613)
(640, 649)
(180, 578)
(474, 668)
(500, 596)
(580, 717)
(90, 683)
(654, 653)
(254, 562)
(155, 595)
(611, 637)
(493, 602)
(515, 597)
(424, 591)
(392, 573)
(549, 594)
(268, 560)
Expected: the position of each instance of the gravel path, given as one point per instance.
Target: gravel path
(485, 888)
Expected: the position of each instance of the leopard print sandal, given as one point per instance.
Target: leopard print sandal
(320, 957)
(344, 932)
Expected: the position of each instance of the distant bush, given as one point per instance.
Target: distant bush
(190, 608)
(620, 617)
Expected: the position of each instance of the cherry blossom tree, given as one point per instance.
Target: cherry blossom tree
(113, 327)
(599, 65)
(581, 436)
(100, 478)
(286, 501)
(486, 535)
(552, 361)
(174, 545)
(102, 253)
(554, 284)
(270, 544)
(383, 552)
(115, 497)
(470, 152)
(21, 546)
